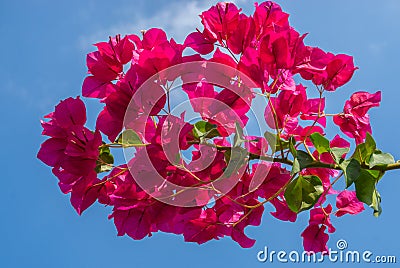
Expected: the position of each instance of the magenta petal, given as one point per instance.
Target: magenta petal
(242, 239)
(153, 37)
(340, 70)
(52, 151)
(199, 43)
(95, 88)
(347, 203)
(134, 223)
(84, 194)
(360, 102)
(282, 212)
(109, 125)
(100, 68)
(315, 238)
(70, 112)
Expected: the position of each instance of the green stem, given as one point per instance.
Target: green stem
(314, 164)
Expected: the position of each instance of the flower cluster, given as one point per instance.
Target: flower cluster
(72, 150)
(223, 185)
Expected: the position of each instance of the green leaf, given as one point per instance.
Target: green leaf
(380, 159)
(271, 138)
(321, 143)
(275, 143)
(337, 153)
(129, 138)
(227, 156)
(292, 147)
(105, 160)
(304, 159)
(370, 142)
(376, 204)
(296, 167)
(364, 150)
(203, 129)
(351, 169)
(238, 138)
(303, 192)
(301, 161)
(237, 159)
(366, 189)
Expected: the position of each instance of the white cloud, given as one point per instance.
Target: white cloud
(178, 20)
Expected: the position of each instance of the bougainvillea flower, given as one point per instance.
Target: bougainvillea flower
(314, 236)
(98, 67)
(278, 50)
(249, 64)
(311, 108)
(204, 228)
(354, 121)
(268, 16)
(106, 64)
(322, 216)
(312, 64)
(117, 51)
(94, 88)
(220, 21)
(243, 36)
(360, 102)
(70, 112)
(199, 43)
(347, 203)
(282, 211)
(256, 145)
(286, 106)
(284, 81)
(136, 223)
(72, 151)
(85, 192)
(339, 71)
(273, 178)
(354, 127)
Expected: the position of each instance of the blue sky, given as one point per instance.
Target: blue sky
(43, 45)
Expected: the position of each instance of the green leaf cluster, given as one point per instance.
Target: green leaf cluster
(105, 161)
(204, 130)
(303, 192)
(359, 169)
